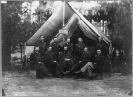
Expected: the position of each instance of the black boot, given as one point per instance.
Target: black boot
(77, 72)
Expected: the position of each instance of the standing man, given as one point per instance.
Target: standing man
(42, 46)
(55, 49)
(69, 46)
(99, 63)
(117, 62)
(101, 45)
(37, 64)
(66, 59)
(51, 62)
(79, 48)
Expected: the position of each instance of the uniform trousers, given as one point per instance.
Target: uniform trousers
(88, 69)
(78, 66)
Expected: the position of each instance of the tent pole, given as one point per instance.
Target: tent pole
(63, 21)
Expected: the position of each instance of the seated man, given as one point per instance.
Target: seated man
(66, 59)
(86, 57)
(97, 66)
(37, 64)
(51, 61)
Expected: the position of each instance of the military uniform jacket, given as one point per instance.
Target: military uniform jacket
(103, 47)
(99, 59)
(86, 56)
(65, 55)
(79, 48)
(35, 58)
(42, 47)
(117, 60)
(69, 47)
(49, 56)
(55, 48)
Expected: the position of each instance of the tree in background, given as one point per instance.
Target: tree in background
(119, 22)
(44, 11)
(10, 20)
(14, 29)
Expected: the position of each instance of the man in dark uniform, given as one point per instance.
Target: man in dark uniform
(85, 57)
(117, 62)
(66, 59)
(42, 46)
(99, 63)
(101, 45)
(51, 61)
(37, 64)
(79, 48)
(69, 46)
(55, 49)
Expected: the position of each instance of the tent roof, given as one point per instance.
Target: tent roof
(72, 19)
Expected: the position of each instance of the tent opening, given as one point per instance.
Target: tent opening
(79, 33)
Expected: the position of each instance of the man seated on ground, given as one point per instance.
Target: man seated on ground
(37, 64)
(86, 57)
(66, 59)
(51, 61)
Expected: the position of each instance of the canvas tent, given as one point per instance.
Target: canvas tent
(73, 19)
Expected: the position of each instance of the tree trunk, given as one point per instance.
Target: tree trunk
(6, 54)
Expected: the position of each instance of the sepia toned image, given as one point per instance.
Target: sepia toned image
(66, 48)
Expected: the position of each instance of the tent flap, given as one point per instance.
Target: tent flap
(72, 19)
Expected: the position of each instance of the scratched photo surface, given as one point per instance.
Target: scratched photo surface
(66, 48)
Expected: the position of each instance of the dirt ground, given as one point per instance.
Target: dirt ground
(20, 84)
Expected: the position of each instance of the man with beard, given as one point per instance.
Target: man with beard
(66, 59)
(37, 64)
(79, 48)
(51, 61)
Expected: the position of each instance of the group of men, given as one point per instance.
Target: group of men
(66, 59)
